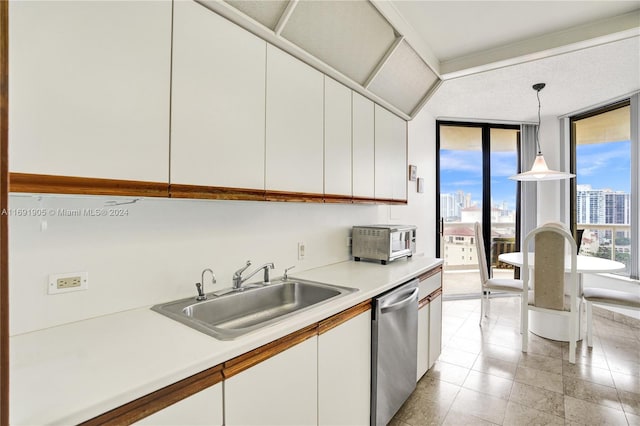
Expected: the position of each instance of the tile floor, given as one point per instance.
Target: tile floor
(483, 378)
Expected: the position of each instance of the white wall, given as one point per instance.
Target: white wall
(157, 252)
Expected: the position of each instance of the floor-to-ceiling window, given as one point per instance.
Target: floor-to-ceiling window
(601, 197)
(474, 162)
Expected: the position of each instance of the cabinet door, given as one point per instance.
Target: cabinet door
(363, 147)
(89, 88)
(435, 329)
(390, 155)
(344, 373)
(294, 149)
(423, 340)
(337, 138)
(218, 101)
(202, 408)
(282, 390)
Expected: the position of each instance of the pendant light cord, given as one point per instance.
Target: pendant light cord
(538, 128)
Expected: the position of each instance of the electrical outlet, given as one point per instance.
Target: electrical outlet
(66, 283)
(300, 251)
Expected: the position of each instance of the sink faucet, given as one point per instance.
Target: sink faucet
(200, 285)
(238, 280)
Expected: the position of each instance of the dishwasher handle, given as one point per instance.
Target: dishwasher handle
(402, 303)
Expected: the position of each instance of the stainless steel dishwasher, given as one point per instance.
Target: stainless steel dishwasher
(394, 350)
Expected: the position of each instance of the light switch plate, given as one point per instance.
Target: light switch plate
(68, 282)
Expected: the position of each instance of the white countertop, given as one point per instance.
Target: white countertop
(71, 373)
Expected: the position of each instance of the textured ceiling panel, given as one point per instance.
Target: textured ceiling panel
(404, 80)
(350, 36)
(267, 12)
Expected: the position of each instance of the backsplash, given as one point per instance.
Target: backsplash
(155, 250)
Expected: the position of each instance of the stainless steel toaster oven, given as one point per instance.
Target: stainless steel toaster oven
(383, 243)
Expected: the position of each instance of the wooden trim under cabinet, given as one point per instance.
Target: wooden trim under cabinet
(334, 198)
(344, 316)
(424, 302)
(52, 184)
(300, 197)
(389, 201)
(215, 192)
(430, 273)
(158, 400)
(256, 356)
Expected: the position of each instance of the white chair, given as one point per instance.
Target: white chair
(489, 283)
(603, 296)
(552, 293)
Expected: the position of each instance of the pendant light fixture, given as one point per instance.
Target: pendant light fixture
(539, 171)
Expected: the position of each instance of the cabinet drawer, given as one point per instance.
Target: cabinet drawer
(429, 285)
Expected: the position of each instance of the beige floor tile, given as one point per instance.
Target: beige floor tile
(582, 412)
(539, 346)
(501, 352)
(632, 419)
(457, 418)
(626, 382)
(589, 373)
(396, 422)
(541, 362)
(539, 378)
(592, 392)
(467, 345)
(631, 368)
(448, 372)
(587, 357)
(480, 405)
(495, 367)
(489, 384)
(458, 357)
(418, 411)
(630, 402)
(538, 398)
(521, 415)
(437, 390)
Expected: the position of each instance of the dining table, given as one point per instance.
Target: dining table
(556, 327)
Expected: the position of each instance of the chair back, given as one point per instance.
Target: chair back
(482, 258)
(549, 266)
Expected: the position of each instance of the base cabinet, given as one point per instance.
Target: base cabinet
(344, 373)
(423, 341)
(282, 390)
(435, 329)
(202, 408)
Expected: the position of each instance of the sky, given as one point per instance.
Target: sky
(605, 165)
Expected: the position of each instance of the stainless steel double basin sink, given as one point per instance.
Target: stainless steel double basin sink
(251, 308)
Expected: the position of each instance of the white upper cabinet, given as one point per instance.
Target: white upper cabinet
(337, 138)
(89, 88)
(390, 155)
(218, 101)
(294, 148)
(363, 147)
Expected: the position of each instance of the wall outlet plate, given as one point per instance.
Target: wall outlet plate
(68, 282)
(301, 251)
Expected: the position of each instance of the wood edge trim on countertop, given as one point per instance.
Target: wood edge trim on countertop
(344, 316)
(264, 352)
(53, 184)
(215, 192)
(363, 200)
(424, 302)
(162, 398)
(4, 219)
(390, 201)
(435, 294)
(430, 273)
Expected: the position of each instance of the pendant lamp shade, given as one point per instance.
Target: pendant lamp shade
(539, 170)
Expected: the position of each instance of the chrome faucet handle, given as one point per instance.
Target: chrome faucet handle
(200, 285)
(239, 272)
(287, 270)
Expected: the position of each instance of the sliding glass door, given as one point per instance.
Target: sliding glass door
(474, 163)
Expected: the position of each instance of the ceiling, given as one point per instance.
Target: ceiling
(490, 53)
